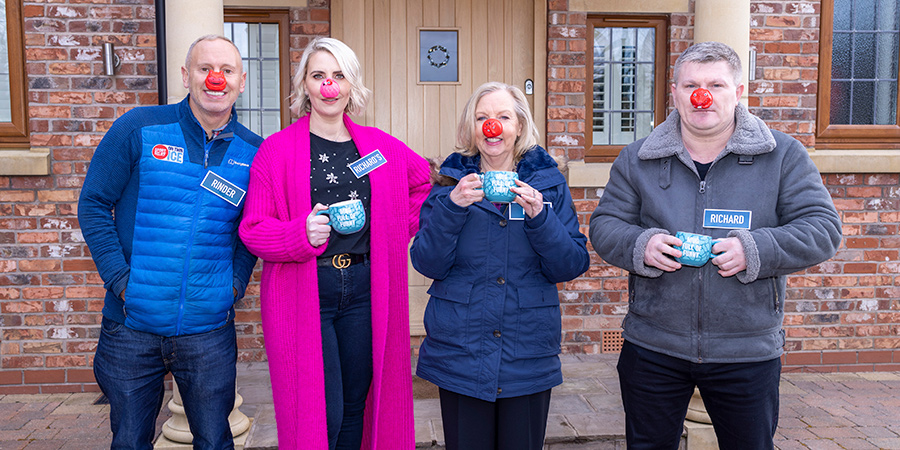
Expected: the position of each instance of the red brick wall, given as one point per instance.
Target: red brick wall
(843, 314)
(50, 293)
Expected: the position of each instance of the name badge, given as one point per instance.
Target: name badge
(723, 218)
(362, 166)
(223, 188)
(516, 212)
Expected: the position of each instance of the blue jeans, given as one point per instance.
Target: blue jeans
(130, 366)
(741, 399)
(345, 304)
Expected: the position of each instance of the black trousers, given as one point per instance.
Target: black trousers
(741, 399)
(516, 423)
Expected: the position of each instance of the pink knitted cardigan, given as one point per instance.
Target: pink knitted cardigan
(274, 228)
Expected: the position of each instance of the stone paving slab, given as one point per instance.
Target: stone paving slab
(819, 411)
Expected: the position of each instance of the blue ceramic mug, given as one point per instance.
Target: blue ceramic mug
(496, 184)
(696, 249)
(347, 217)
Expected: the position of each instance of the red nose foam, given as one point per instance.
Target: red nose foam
(701, 98)
(492, 128)
(215, 81)
(330, 89)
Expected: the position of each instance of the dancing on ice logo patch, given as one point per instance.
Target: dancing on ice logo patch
(168, 153)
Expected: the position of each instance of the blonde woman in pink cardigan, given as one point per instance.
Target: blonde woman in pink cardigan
(334, 306)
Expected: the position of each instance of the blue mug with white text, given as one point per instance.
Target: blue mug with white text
(696, 249)
(347, 217)
(496, 184)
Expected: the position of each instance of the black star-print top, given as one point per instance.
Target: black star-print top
(332, 181)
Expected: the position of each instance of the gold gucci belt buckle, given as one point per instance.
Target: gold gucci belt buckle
(341, 261)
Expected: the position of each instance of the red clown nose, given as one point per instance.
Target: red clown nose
(492, 128)
(701, 98)
(215, 81)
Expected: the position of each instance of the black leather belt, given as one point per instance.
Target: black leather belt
(342, 261)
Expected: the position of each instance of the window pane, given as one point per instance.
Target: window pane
(842, 14)
(623, 84)
(865, 62)
(863, 55)
(864, 14)
(862, 113)
(840, 102)
(840, 62)
(885, 95)
(259, 106)
(5, 100)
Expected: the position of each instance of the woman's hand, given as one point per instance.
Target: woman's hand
(467, 191)
(317, 228)
(529, 198)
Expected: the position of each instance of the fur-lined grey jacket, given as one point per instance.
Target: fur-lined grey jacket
(694, 313)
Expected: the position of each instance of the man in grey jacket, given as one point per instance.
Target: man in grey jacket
(711, 168)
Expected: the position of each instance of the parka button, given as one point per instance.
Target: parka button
(500, 280)
(499, 390)
(496, 333)
(503, 223)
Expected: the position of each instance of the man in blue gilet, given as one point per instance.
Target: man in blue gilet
(159, 210)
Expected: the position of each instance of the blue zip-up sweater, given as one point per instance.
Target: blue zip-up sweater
(493, 319)
(153, 228)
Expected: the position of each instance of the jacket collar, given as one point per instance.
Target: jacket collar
(457, 165)
(189, 121)
(751, 137)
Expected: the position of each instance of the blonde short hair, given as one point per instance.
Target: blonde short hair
(466, 132)
(346, 59)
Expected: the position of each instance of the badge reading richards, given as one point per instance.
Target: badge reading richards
(362, 166)
(223, 188)
(724, 218)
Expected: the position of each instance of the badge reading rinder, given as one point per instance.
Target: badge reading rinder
(223, 188)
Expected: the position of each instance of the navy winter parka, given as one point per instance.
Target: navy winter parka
(493, 318)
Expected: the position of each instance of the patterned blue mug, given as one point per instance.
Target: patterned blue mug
(496, 184)
(696, 249)
(347, 217)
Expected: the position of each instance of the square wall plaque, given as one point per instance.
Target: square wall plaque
(438, 56)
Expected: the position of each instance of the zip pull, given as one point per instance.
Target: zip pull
(703, 187)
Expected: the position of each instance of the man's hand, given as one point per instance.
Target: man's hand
(730, 256)
(659, 252)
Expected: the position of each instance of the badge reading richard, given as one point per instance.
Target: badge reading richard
(724, 218)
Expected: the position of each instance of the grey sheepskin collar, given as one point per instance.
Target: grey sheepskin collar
(751, 137)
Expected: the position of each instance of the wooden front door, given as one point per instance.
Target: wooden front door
(498, 40)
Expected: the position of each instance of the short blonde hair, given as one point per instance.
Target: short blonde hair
(346, 59)
(466, 132)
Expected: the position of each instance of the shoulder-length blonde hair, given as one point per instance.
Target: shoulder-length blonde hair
(346, 59)
(465, 132)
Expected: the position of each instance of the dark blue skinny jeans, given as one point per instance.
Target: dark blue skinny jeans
(130, 367)
(741, 399)
(345, 304)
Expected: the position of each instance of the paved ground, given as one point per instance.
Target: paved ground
(818, 411)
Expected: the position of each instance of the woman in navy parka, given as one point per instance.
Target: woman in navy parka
(493, 319)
